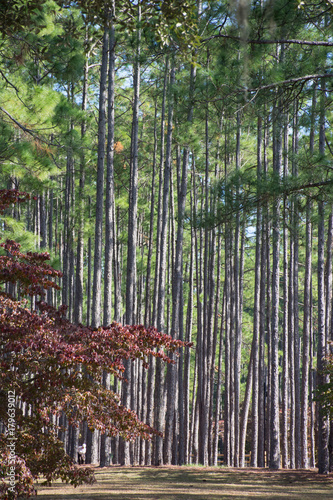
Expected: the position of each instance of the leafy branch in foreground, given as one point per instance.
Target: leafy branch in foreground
(52, 367)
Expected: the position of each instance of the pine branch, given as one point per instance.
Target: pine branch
(33, 134)
(316, 43)
(292, 80)
(9, 82)
(20, 125)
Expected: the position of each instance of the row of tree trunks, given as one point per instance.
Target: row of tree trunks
(188, 405)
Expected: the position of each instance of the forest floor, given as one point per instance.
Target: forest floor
(195, 483)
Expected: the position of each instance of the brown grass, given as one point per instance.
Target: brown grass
(195, 483)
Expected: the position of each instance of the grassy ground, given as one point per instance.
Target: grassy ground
(195, 483)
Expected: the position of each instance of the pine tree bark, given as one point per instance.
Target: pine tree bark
(296, 299)
(157, 395)
(50, 292)
(92, 437)
(133, 194)
(310, 314)
(131, 297)
(160, 193)
(219, 379)
(246, 408)
(42, 213)
(228, 448)
(148, 315)
(256, 314)
(177, 299)
(97, 281)
(237, 298)
(306, 338)
(89, 273)
(109, 186)
(328, 311)
(159, 382)
(78, 306)
(264, 261)
(323, 421)
(187, 363)
(109, 214)
(67, 238)
(285, 361)
(274, 461)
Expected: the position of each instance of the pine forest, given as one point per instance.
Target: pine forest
(178, 158)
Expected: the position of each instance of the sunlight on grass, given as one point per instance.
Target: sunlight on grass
(195, 483)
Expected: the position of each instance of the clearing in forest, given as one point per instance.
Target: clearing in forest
(195, 483)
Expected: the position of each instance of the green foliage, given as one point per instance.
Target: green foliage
(17, 14)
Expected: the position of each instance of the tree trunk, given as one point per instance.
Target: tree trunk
(159, 383)
(131, 298)
(92, 437)
(285, 361)
(256, 316)
(264, 261)
(51, 292)
(323, 421)
(306, 339)
(97, 283)
(274, 462)
(228, 448)
(296, 300)
(157, 395)
(177, 298)
(245, 408)
(237, 297)
(109, 187)
(78, 306)
(187, 363)
(89, 259)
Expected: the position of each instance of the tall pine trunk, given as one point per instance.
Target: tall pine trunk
(131, 292)
(97, 281)
(78, 306)
(159, 382)
(256, 317)
(274, 460)
(323, 422)
(109, 186)
(306, 339)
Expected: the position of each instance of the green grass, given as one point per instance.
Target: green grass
(195, 483)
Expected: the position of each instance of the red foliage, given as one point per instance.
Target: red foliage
(10, 196)
(53, 366)
(30, 270)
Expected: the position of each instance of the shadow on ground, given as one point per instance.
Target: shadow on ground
(195, 483)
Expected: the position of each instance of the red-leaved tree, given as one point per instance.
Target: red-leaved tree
(50, 366)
